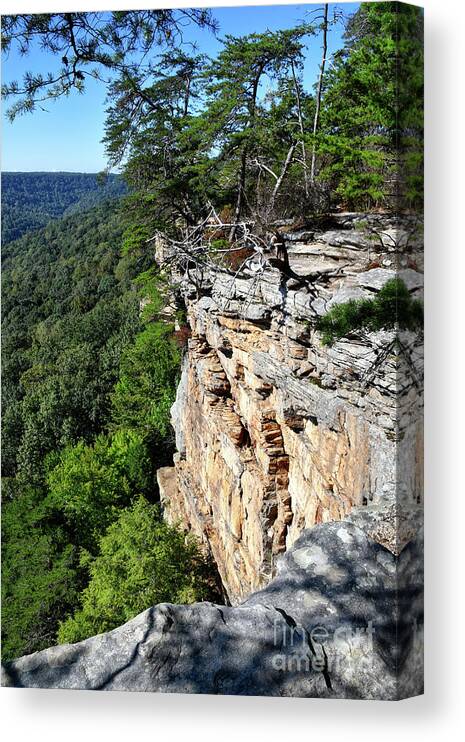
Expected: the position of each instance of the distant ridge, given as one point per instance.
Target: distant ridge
(31, 199)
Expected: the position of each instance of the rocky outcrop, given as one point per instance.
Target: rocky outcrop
(277, 433)
(342, 618)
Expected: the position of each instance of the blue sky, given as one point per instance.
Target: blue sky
(67, 136)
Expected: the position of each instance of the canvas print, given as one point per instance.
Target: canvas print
(212, 252)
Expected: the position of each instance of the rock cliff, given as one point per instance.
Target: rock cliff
(277, 432)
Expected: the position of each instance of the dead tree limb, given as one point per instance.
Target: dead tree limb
(282, 175)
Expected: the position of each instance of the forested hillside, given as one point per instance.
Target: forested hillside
(76, 353)
(31, 200)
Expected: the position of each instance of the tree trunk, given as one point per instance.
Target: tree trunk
(240, 193)
(187, 95)
(245, 152)
(279, 181)
(301, 127)
(319, 91)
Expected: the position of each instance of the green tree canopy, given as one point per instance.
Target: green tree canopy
(41, 577)
(142, 561)
(372, 121)
(91, 45)
(147, 383)
(231, 119)
(89, 484)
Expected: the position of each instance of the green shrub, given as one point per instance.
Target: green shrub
(393, 307)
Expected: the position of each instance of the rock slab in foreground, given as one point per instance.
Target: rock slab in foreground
(325, 627)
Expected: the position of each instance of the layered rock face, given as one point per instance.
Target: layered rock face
(276, 432)
(335, 622)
